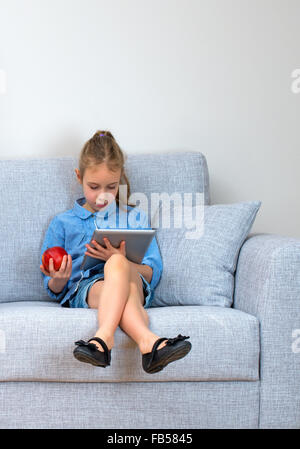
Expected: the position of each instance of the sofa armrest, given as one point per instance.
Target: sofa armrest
(267, 285)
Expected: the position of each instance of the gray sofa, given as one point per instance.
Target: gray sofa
(244, 367)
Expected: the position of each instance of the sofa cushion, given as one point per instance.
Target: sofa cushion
(200, 270)
(33, 191)
(38, 342)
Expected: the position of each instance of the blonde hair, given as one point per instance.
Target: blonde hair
(103, 148)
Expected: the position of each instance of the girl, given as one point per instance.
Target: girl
(119, 289)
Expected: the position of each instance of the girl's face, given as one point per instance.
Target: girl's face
(100, 186)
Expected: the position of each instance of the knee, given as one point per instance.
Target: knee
(117, 262)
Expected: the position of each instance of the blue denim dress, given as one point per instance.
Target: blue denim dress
(74, 228)
(80, 298)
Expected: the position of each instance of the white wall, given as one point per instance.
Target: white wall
(162, 75)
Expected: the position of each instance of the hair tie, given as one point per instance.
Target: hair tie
(102, 134)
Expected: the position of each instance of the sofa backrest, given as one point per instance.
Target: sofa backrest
(33, 191)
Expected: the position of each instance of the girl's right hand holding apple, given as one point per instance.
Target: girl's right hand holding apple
(59, 278)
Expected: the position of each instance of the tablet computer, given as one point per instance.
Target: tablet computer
(137, 243)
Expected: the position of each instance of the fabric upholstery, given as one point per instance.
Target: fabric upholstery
(243, 369)
(225, 344)
(129, 405)
(200, 270)
(268, 287)
(33, 191)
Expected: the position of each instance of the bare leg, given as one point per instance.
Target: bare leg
(135, 321)
(113, 297)
(120, 300)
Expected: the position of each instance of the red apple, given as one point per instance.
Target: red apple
(56, 253)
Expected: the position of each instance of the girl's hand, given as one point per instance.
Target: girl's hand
(104, 253)
(65, 271)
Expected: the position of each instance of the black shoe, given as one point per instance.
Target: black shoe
(89, 353)
(157, 359)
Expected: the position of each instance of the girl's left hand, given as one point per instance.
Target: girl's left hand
(104, 253)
